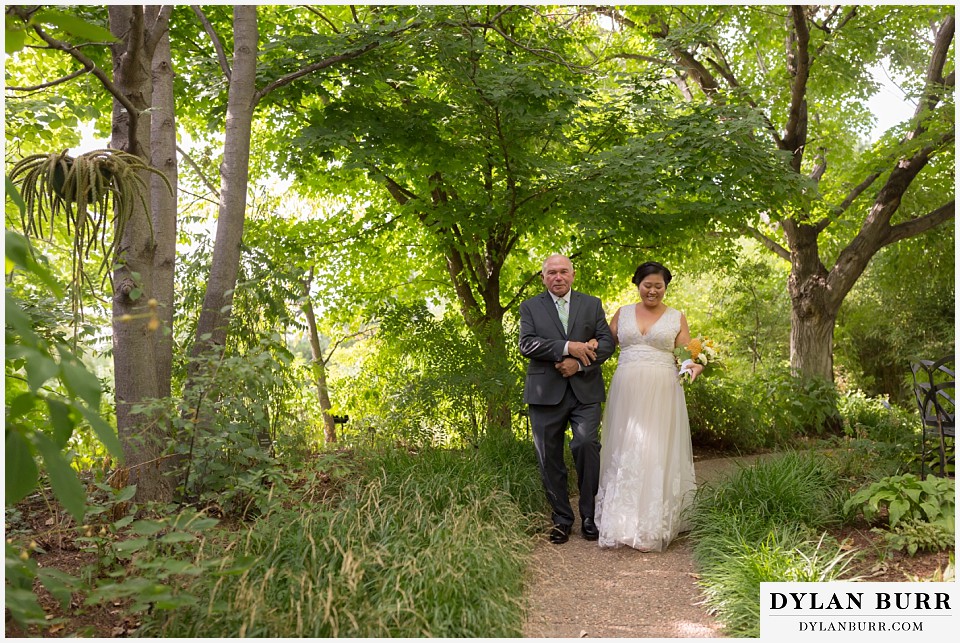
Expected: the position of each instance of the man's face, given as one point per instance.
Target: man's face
(558, 275)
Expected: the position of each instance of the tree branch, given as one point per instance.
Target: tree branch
(798, 64)
(359, 333)
(400, 194)
(649, 59)
(831, 30)
(913, 227)
(90, 66)
(309, 69)
(322, 17)
(848, 201)
(215, 39)
(777, 249)
(158, 26)
(932, 90)
(52, 83)
(200, 174)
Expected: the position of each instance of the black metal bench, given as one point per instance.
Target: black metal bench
(934, 384)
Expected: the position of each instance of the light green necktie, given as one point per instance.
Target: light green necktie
(562, 310)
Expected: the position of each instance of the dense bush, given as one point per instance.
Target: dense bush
(767, 409)
(422, 381)
(876, 419)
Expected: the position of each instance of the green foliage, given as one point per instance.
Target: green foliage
(912, 535)
(723, 415)
(17, 29)
(865, 459)
(876, 419)
(906, 497)
(158, 561)
(873, 351)
(146, 563)
(48, 393)
(422, 383)
(801, 405)
(236, 412)
(761, 525)
(732, 583)
(762, 410)
(427, 546)
(793, 488)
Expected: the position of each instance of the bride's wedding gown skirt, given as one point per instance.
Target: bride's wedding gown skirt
(646, 461)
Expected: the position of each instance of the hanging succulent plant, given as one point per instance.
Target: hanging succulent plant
(85, 190)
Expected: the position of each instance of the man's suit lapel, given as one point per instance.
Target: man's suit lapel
(553, 313)
(574, 310)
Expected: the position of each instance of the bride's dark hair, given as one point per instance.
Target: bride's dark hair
(651, 268)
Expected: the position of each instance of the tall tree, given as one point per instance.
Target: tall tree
(805, 69)
(135, 355)
(498, 143)
(286, 64)
(142, 355)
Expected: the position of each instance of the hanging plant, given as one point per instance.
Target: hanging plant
(84, 190)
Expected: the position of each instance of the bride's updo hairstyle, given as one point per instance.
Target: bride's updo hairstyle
(651, 268)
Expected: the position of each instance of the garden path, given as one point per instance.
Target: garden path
(578, 590)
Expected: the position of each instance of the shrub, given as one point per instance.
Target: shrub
(799, 405)
(767, 409)
(906, 497)
(874, 418)
(723, 415)
(912, 535)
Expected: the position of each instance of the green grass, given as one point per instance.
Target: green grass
(762, 525)
(432, 544)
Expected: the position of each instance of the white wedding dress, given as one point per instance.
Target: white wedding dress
(646, 460)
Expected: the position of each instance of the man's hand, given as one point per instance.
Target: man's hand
(585, 352)
(568, 367)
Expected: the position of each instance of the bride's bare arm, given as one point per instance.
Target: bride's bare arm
(683, 338)
(613, 327)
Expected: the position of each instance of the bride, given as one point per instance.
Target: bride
(646, 461)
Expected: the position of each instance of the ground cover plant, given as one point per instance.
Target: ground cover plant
(422, 544)
(765, 523)
(811, 516)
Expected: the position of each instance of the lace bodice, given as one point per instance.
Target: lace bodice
(656, 347)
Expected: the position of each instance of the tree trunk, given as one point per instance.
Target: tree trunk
(496, 365)
(816, 294)
(319, 368)
(163, 205)
(811, 337)
(134, 356)
(217, 302)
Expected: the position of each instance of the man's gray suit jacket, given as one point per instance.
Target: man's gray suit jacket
(542, 339)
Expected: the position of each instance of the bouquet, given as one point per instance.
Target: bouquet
(699, 350)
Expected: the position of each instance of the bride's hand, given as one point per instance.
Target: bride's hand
(695, 371)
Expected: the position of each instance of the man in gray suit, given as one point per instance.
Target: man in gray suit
(565, 335)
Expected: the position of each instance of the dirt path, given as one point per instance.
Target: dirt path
(579, 590)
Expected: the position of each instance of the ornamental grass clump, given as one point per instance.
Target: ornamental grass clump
(765, 524)
(425, 545)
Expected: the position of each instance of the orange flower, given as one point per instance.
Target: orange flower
(695, 348)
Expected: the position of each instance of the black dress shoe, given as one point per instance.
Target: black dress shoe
(560, 534)
(589, 530)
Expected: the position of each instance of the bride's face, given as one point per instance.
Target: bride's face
(652, 289)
